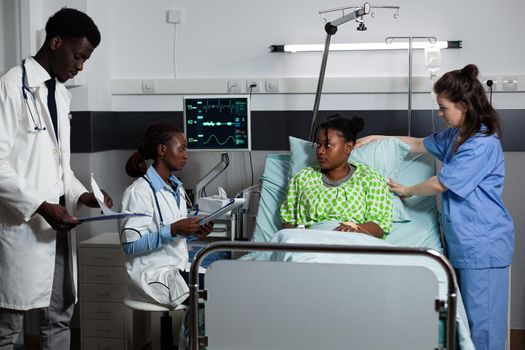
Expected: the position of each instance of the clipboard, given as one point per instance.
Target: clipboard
(234, 203)
(109, 216)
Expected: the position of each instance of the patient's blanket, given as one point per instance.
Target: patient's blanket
(319, 237)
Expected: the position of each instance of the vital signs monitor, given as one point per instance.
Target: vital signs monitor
(217, 123)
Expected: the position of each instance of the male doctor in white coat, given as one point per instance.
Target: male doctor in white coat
(38, 190)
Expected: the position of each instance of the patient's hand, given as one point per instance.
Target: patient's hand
(348, 226)
(369, 228)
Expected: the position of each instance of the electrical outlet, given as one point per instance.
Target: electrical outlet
(148, 86)
(234, 86)
(175, 16)
(252, 85)
(271, 85)
(510, 83)
(486, 83)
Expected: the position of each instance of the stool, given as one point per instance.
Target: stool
(166, 333)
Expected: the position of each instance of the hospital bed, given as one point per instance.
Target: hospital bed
(361, 293)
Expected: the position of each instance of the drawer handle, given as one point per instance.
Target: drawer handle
(102, 257)
(106, 311)
(103, 329)
(102, 275)
(103, 347)
(102, 292)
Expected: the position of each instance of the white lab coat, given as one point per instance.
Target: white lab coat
(154, 276)
(34, 168)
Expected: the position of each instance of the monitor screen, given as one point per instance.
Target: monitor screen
(217, 123)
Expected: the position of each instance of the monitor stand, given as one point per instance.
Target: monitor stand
(210, 176)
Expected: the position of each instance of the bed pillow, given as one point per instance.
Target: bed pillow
(385, 156)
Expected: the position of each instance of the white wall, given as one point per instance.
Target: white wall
(9, 34)
(229, 39)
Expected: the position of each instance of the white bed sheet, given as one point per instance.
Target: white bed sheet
(312, 236)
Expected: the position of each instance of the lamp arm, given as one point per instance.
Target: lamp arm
(331, 29)
(359, 12)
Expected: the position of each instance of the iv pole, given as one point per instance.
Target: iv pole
(389, 40)
(331, 29)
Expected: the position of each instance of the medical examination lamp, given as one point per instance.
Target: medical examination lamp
(357, 13)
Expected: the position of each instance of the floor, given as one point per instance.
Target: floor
(31, 341)
(517, 340)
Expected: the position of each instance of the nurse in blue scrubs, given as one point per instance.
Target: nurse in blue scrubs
(479, 232)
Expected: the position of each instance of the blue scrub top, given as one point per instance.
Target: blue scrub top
(479, 232)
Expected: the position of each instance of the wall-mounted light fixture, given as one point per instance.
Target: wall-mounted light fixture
(291, 48)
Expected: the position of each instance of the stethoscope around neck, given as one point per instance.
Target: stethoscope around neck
(161, 219)
(156, 201)
(25, 90)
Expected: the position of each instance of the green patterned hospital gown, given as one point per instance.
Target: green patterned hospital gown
(363, 198)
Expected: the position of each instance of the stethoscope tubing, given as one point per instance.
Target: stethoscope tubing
(157, 201)
(25, 89)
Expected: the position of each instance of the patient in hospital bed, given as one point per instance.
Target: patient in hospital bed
(415, 220)
(352, 196)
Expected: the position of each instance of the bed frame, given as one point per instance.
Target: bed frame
(292, 305)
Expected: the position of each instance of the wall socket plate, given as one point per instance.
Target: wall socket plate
(234, 86)
(509, 83)
(484, 81)
(175, 16)
(271, 85)
(252, 85)
(148, 86)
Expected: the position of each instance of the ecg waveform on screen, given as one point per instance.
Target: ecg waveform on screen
(233, 107)
(221, 124)
(217, 123)
(217, 140)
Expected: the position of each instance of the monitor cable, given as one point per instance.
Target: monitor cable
(251, 164)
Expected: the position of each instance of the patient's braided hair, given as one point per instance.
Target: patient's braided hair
(462, 85)
(349, 128)
(156, 134)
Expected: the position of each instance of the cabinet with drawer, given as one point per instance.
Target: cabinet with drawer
(106, 323)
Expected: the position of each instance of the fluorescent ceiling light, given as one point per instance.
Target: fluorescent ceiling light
(364, 46)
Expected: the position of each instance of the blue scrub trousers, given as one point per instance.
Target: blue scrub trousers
(485, 294)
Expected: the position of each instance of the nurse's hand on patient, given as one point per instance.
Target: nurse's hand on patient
(89, 200)
(397, 188)
(57, 216)
(186, 226)
(367, 139)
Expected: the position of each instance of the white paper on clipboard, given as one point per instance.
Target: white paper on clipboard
(234, 203)
(107, 214)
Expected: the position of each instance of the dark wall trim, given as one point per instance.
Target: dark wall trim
(103, 131)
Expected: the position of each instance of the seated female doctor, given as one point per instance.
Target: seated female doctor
(155, 245)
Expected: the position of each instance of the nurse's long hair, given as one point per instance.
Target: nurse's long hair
(156, 134)
(463, 86)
